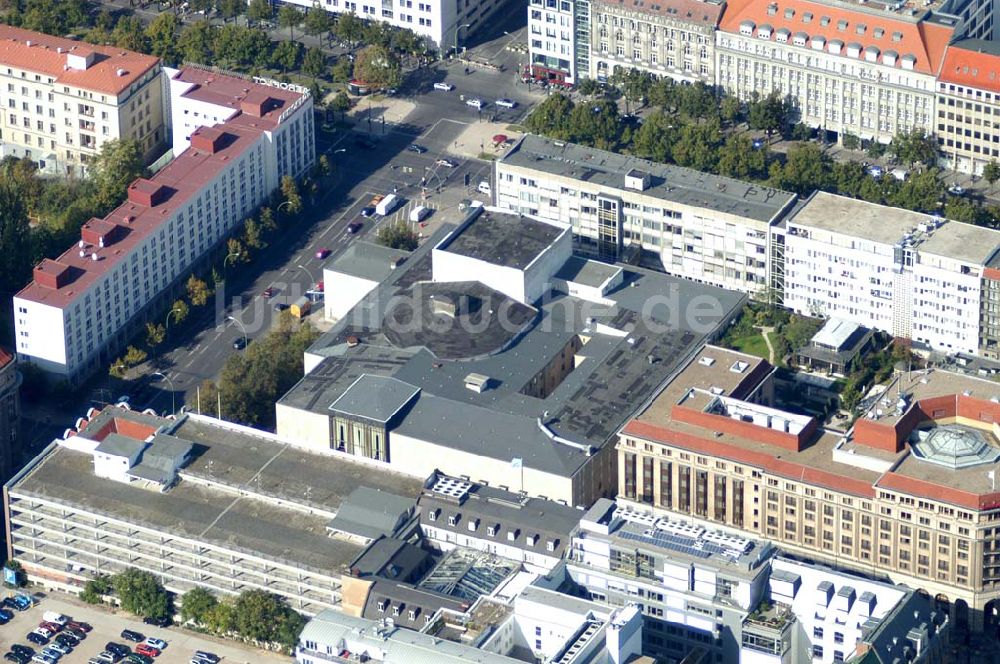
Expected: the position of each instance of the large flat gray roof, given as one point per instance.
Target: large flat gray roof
(366, 260)
(888, 225)
(502, 238)
(669, 183)
(375, 398)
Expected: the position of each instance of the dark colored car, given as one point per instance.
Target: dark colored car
(8, 602)
(367, 211)
(37, 639)
(354, 227)
(278, 306)
(79, 626)
(419, 149)
(158, 622)
(238, 344)
(130, 635)
(15, 657)
(118, 648)
(22, 650)
(366, 143)
(66, 640)
(77, 633)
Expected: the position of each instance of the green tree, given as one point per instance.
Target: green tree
(229, 9)
(588, 87)
(991, 172)
(341, 103)
(697, 146)
(113, 170)
(286, 54)
(915, 147)
(851, 142)
(767, 114)
(196, 43)
(343, 70)
(323, 166)
(349, 28)
(731, 110)
(259, 10)
(397, 236)
(378, 67)
(314, 62)
(551, 117)
(134, 356)
(291, 196)
(595, 123)
(267, 222)
(141, 593)
(237, 251)
(404, 40)
(265, 617)
(198, 291)
(155, 334)
(922, 192)
(179, 311)
(655, 137)
(801, 132)
(634, 84)
(15, 239)
(959, 208)
(95, 589)
(290, 17)
(739, 159)
(236, 46)
(162, 35)
(252, 234)
(806, 169)
(317, 21)
(196, 604)
(221, 618)
(696, 102)
(130, 33)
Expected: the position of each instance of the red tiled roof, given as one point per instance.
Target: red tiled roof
(966, 65)
(771, 463)
(924, 40)
(5, 358)
(944, 494)
(222, 90)
(694, 11)
(43, 56)
(182, 178)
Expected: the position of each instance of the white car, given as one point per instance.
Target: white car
(506, 103)
(447, 87)
(475, 103)
(956, 190)
(159, 644)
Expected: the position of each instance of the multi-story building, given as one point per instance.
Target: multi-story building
(689, 224)
(968, 105)
(444, 22)
(83, 306)
(492, 353)
(673, 38)
(10, 413)
(246, 512)
(695, 586)
(554, 50)
(63, 99)
(914, 276)
(848, 68)
(908, 492)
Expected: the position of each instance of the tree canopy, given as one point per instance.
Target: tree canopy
(378, 67)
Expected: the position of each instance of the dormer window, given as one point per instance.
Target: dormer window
(551, 545)
(396, 610)
(512, 535)
(492, 530)
(453, 519)
(380, 606)
(413, 614)
(473, 524)
(531, 540)
(432, 515)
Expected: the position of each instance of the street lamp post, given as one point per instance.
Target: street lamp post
(457, 30)
(173, 394)
(308, 272)
(243, 329)
(175, 310)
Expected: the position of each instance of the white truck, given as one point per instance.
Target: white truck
(419, 213)
(387, 205)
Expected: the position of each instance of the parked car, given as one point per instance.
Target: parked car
(140, 658)
(475, 103)
(22, 650)
(239, 343)
(5, 616)
(956, 190)
(207, 656)
(506, 103)
(419, 149)
(117, 648)
(447, 87)
(60, 648)
(366, 142)
(322, 253)
(16, 658)
(77, 633)
(445, 163)
(162, 621)
(55, 617)
(23, 602)
(159, 644)
(66, 640)
(37, 639)
(42, 658)
(484, 188)
(367, 212)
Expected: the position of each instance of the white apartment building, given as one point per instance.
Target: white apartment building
(446, 23)
(552, 39)
(968, 105)
(857, 69)
(83, 306)
(911, 275)
(672, 38)
(689, 224)
(61, 100)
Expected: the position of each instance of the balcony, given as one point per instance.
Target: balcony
(768, 629)
(86, 125)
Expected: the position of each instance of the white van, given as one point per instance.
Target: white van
(484, 188)
(387, 205)
(419, 213)
(54, 617)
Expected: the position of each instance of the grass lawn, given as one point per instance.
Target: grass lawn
(752, 345)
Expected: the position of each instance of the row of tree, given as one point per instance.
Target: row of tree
(137, 592)
(690, 126)
(255, 616)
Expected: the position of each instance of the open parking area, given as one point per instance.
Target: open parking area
(181, 644)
